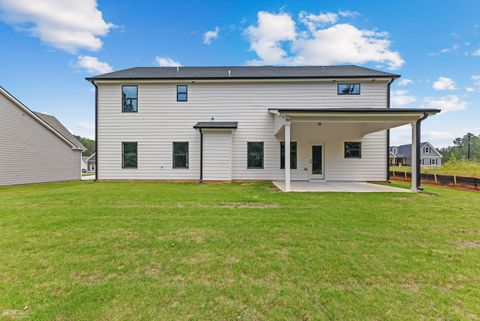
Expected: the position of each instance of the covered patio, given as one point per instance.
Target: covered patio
(363, 121)
(334, 186)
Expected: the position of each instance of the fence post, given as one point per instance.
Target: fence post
(435, 177)
(454, 180)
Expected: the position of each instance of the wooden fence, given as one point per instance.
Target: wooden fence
(444, 180)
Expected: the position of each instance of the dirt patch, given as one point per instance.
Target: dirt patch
(247, 205)
(471, 244)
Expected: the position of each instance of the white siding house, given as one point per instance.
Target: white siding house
(35, 147)
(221, 111)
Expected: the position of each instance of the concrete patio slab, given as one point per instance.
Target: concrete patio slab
(334, 186)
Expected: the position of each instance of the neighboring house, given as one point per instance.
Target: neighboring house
(84, 164)
(231, 123)
(35, 147)
(91, 161)
(402, 155)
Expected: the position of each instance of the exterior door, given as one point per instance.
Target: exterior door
(316, 162)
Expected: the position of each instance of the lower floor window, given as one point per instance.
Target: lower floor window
(129, 154)
(353, 150)
(254, 155)
(180, 154)
(293, 155)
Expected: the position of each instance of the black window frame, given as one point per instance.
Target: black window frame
(123, 99)
(262, 159)
(187, 156)
(348, 94)
(345, 149)
(123, 155)
(182, 93)
(282, 155)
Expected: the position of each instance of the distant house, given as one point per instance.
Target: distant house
(36, 147)
(84, 163)
(91, 160)
(401, 155)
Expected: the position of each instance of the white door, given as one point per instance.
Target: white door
(317, 161)
(217, 154)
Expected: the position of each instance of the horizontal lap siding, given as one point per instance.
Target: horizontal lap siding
(217, 163)
(161, 120)
(30, 152)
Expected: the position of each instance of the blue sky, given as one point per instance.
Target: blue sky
(50, 46)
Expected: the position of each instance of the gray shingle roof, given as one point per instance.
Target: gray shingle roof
(217, 124)
(406, 150)
(244, 72)
(57, 125)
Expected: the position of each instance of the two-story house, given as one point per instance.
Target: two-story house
(246, 123)
(429, 155)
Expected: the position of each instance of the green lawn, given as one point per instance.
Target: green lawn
(173, 251)
(460, 168)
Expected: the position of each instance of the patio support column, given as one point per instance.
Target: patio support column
(287, 155)
(415, 164)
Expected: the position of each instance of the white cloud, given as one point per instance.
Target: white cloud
(167, 62)
(93, 66)
(348, 13)
(86, 125)
(470, 89)
(476, 53)
(444, 83)
(211, 35)
(69, 25)
(476, 79)
(265, 38)
(401, 98)
(313, 22)
(405, 82)
(447, 103)
(277, 40)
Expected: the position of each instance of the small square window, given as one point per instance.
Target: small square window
(129, 154)
(353, 150)
(182, 93)
(254, 155)
(348, 89)
(129, 99)
(180, 155)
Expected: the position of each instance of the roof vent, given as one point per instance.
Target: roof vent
(229, 73)
(178, 68)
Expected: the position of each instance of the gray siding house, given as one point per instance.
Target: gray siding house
(429, 156)
(35, 147)
(328, 123)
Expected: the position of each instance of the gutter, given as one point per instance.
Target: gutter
(388, 130)
(96, 130)
(418, 138)
(201, 155)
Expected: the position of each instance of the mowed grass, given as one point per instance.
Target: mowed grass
(172, 251)
(460, 168)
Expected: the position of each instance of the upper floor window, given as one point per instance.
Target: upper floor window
(182, 93)
(348, 89)
(129, 99)
(353, 150)
(293, 155)
(180, 154)
(254, 155)
(427, 149)
(129, 154)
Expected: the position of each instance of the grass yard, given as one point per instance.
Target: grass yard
(173, 251)
(460, 168)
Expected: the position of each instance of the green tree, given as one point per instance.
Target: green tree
(89, 145)
(460, 148)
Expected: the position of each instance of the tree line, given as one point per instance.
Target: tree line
(89, 145)
(464, 148)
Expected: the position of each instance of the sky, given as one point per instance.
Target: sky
(48, 47)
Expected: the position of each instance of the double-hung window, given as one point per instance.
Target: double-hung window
(182, 93)
(254, 155)
(129, 99)
(353, 150)
(180, 155)
(293, 155)
(129, 154)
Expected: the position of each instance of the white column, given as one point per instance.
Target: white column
(287, 156)
(414, 157)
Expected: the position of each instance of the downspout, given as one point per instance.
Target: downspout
(388, 131)
(201, 155)
(419, 139)
(96, 131)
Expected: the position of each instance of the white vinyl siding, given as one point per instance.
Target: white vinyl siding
(161, 120)
(30, 152)
(217, 155)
